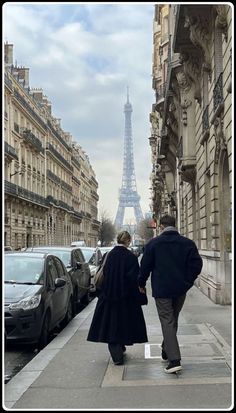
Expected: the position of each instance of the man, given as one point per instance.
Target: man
(174, 263)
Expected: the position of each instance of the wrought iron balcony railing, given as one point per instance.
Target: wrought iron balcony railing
(9, 150)
(53, 177)
(59, 156)
(76, 180)
(58, 135)
(16, 127)
(30, 138)
(29, 109)
(66, 186)
(17, 190)
(76, 162)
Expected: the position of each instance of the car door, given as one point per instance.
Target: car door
(65, 290)
(85, 267)
(55, 293)
(79, 272)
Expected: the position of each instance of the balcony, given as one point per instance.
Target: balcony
(54, 131)
(94, 181)
(8, 83)
(66, 186)
(94, 195)
(59, 203)
(59, 156)
(76, 180)
(28, 108)
(10, 151)
(20, 192)
(76, 162)
(16, 127)
(53, 177)
(31, 139)
(78, 215)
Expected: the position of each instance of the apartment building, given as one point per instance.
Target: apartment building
(191, 133)
(43, 170)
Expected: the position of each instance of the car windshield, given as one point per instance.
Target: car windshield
(88, 255)
(65, 256)
(23, 270)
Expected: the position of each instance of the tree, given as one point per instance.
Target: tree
(144, 230)
(107, 231)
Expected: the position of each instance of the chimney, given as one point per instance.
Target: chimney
(23, 74)
(37, 94)
(8, 54)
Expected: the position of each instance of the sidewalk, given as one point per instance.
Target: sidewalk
(72, 373)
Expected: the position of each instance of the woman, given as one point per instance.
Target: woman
(118, 318)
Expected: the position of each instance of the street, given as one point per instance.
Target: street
(18, 355)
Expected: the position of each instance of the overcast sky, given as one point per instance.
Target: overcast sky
(83, 56)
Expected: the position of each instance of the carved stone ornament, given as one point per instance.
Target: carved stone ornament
(219, 138)
(184, 105)
(200, 35)
(183, 81)
(221, 19)
(155, 122)
(192, 68)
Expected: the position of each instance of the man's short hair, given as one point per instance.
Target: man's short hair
(167, 221)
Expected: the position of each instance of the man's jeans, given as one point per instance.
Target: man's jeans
(168, 311)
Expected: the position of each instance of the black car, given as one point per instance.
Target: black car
(78, 269)
(38, 296)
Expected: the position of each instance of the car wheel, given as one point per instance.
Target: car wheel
(44, 336)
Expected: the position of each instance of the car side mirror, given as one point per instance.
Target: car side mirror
(59, 282)
(78, 265)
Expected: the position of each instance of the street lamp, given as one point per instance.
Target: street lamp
(17, 172)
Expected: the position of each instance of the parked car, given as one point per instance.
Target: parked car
(93, 257)
(38, 296)
(78, 269)
(78, 244)
(136, 250)
(8, 248)
(106, 249)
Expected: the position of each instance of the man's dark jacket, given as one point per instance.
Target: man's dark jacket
(174, 263)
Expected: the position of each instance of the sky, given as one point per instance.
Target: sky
(83, 56)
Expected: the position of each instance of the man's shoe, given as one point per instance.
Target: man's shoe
(164, 357)
(173, 366)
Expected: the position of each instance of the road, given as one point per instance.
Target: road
(17, 355)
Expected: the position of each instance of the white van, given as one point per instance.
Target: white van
(78, 244)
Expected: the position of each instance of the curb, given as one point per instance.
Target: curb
(18, 385)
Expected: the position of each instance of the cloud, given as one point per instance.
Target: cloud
(84, 56)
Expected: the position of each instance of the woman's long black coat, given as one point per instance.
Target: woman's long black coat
(118, 317)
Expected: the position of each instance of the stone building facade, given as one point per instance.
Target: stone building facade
(50, 186)
(191, 133)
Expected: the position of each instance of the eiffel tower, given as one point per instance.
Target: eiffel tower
(128, 195)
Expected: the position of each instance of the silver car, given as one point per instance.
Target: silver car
(93, 257)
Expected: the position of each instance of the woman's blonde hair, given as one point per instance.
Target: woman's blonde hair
(123, 237)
